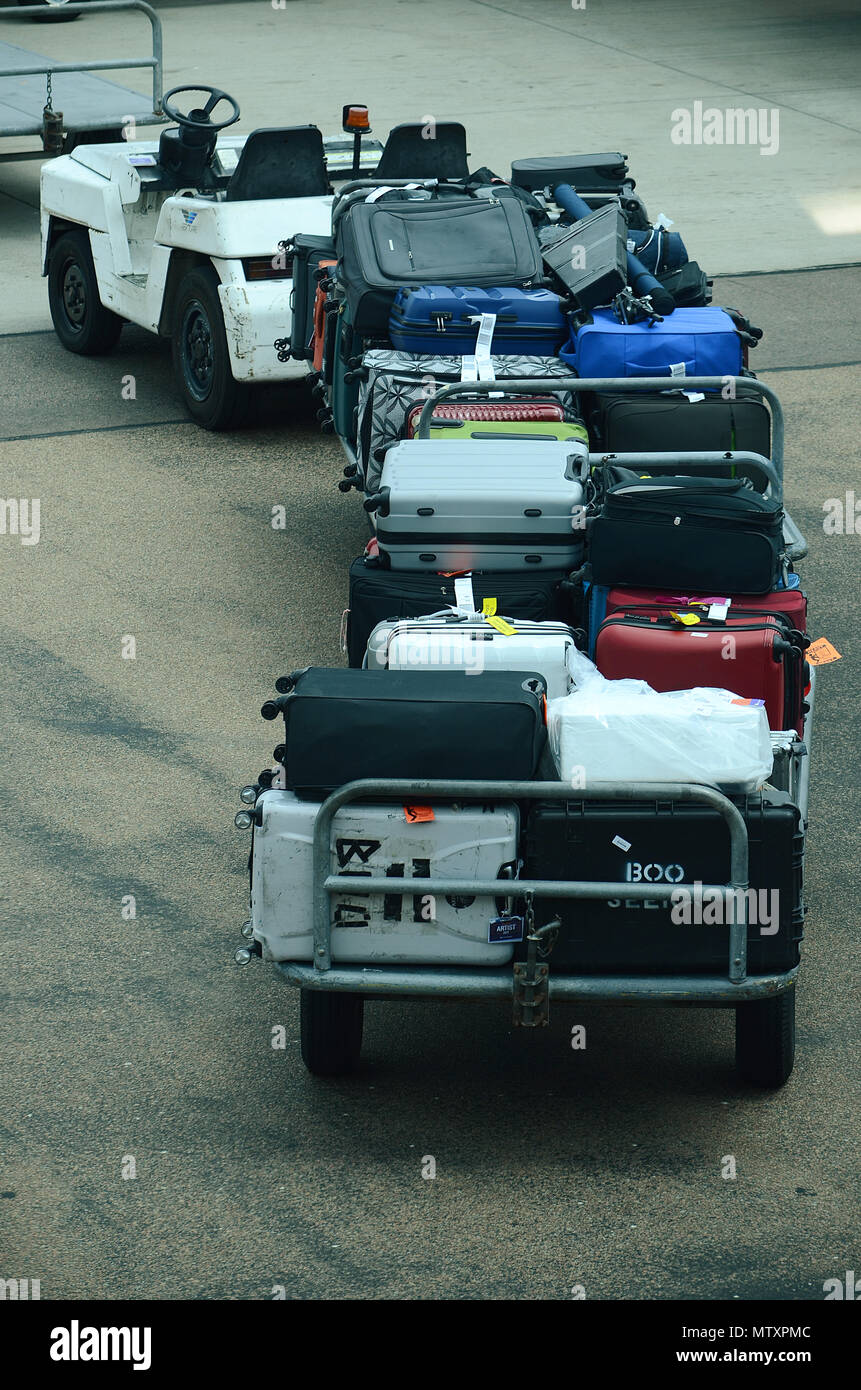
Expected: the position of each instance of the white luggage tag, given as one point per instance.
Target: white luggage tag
(464, 597)
(387, 188)
(486, 325)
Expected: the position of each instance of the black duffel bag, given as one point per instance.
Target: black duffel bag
(685, 535)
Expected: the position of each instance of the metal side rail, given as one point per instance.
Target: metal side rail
(531, 978)
(796, 545)
(21, 112)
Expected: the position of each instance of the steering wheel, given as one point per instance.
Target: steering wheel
(199, 117)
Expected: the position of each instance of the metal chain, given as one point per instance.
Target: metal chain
(50, 93)
(529, 916)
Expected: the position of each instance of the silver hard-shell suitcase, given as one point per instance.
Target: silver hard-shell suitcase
(452, 505)
(410, 928)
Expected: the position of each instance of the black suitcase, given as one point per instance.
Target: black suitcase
(379, 594)
(343, 724)
(308, 252)
(667, 844)
(690, 286)
(696, 535)
(588, 173)
(591, 258)
(669, 422)
(457, 241)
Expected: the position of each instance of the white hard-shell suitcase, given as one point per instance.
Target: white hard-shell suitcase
(461, 505)
(413, 928)
(447, 641)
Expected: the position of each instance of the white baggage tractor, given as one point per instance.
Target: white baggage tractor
(459, 505)
(447, 641)
(472, 842)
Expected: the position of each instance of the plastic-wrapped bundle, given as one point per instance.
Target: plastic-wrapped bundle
(625, 731)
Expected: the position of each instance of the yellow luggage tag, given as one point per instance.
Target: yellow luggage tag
(686, 619)
(488, 612)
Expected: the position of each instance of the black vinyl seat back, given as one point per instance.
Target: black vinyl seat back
(409, 154)
(280, 162)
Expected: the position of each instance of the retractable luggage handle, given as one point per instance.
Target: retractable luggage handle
(405, 792)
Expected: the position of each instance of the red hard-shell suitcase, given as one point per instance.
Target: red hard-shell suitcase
(758, 655)
(792, 602)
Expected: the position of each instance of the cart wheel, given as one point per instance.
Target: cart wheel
(81, 321)
(331, 1031)
(201, 362)
(765, 1039)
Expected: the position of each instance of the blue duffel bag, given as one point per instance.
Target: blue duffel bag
(660, 251)
(693, 342)
(440, 319)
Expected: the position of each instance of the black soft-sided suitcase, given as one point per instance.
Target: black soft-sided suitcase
(588, 173)
(669, 422)
(343, 724)
(386, 246)
(700, 535)
(667, 844)
(378, 594)
(308, 252)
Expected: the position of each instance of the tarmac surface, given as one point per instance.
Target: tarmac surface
(138, 1038)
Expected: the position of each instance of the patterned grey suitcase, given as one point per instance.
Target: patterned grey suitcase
(396, 381)
(507, 505)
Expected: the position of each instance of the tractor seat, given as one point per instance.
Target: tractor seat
(409, 154)
(280, 162)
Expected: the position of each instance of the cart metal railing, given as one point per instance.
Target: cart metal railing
(51, 65)
(492, 982)
(796, 546)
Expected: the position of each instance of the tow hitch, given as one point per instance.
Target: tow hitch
(532, 976)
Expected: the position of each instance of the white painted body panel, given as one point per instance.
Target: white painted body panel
(133, 232)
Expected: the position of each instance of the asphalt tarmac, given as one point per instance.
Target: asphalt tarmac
(135, 1045)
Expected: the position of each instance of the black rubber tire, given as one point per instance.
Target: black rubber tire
(765, 1040)
(81, 321)
(331, 1031)
(201, 361)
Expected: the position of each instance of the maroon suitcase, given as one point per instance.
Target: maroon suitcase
(756, 654)
(540, 409)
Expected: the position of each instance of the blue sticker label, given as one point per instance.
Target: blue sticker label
(504, 929)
